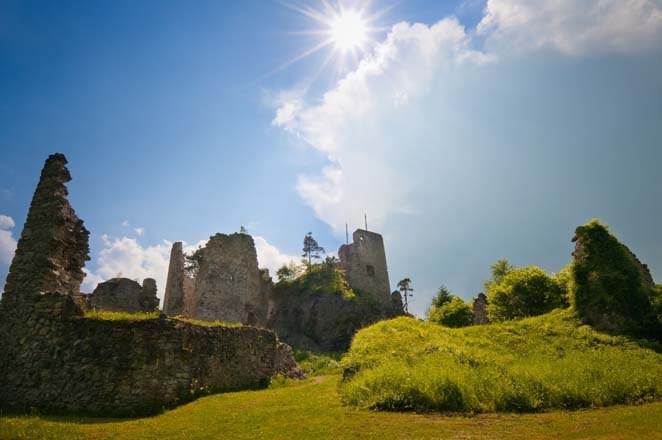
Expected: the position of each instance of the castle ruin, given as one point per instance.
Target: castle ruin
(364, 263)
(55, 359)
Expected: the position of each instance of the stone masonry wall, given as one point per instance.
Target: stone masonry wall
(55, 360)
(229, 285)
(125, 295)
(54, 243)
(173, 300)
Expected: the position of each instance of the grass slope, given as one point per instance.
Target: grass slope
(537, 364)
(312, 409)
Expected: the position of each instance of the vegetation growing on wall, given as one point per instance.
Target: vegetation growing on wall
(612, 290)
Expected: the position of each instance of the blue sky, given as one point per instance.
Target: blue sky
(471, 131)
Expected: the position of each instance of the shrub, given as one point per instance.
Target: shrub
(452, 313)
(536, 364)
(522, 293)
(612, 290)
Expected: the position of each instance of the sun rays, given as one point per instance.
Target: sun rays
(346, 30)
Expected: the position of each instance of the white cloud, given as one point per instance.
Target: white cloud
(139, 231)
(571, 26)
(343, 125)
(125, 257)
(424, 125)
(125, 223)
(7, 241)
(270, 257)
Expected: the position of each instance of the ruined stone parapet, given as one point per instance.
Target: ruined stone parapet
(480, 310)
(229, 285)
(53, 247)
(173, 300)
(63, 362)
(125, 295)
(148, 299)
(364, 263)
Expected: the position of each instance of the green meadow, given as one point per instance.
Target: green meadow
(312, 409)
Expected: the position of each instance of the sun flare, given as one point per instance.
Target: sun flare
(348, 30)
(347, 27)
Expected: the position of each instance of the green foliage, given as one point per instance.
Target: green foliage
(609, 291)
(319, 279)
(120, 316)
(208, 323)
(521, 293)
(443, 296)
(532, 365)
(318, 364)
(454, 312)
(311, 249)
(500, 269)
(404, 286)
(289, 272)
(192, 262)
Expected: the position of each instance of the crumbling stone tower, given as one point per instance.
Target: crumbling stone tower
(364, 263)
(229, 284)
(53, 247)
(178, 286)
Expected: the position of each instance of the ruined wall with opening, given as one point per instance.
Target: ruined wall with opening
(227, 285)
(364, 263)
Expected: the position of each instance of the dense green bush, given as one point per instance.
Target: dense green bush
(317, 279)
(452, 313)
(612, 290)
(535, 364)
(521, 293)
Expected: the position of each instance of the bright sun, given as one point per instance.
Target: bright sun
(348, 30)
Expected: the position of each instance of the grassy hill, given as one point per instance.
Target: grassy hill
(312, 410)
(537, 364)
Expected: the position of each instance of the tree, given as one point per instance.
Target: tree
(523, 292)
(404, 286)
(452, 313)
(243, 230)
(442, 297)
(499, 270)
(311, 249)
(192, 262)
(288, 272)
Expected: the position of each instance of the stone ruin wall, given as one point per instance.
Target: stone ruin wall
(53, 246)
(56, 360)
(228, 285)
(480, 310)
(124, 295)
(364, 263)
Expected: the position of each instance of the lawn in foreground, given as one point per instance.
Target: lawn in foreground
(312, 409)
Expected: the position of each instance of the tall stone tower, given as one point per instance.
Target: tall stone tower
(53, 247)
(364, 263)
(173, 300)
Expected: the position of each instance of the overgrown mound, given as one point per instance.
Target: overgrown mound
(613, 290)
(318, 279)
(318, 311)
(536, 364)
